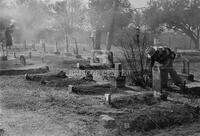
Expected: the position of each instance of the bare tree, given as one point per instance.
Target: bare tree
(109, 16)
(69, 16)
(5, 35)
(178, 15)
(133, 44)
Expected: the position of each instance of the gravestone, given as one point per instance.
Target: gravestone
(43, 46)
(108, 122)
(70, 88)
(126, 126)
(101, 57)
(56, 51)
(186, 67)
(110, 58)
(95, 60)
(157, 81)
(42, 57)
(78, 56)
(25, 44)
(156, 41)
(30, 55)
(118, 69)
(33, 46)
(67, 53)
(78, 65)
(176, 50)
(108, 98)
(14, 55)
(88, 76)
(23, 60)
(120, 82)
(186, 71)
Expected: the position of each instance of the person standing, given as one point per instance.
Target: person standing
(8, 37)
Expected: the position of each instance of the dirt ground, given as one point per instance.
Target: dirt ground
(32, 109)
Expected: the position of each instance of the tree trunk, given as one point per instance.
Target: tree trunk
(67, 43)
(111, 31)
(110, 38)
(195, 39)
(98, 40)
(93, 42)
(196, 43)
(76, 45)
(190, 43)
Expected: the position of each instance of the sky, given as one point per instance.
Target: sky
(135, 3)
(139, 3)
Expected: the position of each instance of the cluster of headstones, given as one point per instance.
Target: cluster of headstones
(43, 45)
(33, 45)
(119, 81)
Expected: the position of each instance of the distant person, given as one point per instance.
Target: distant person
(8, 37)
(165, 57)
(2, 39)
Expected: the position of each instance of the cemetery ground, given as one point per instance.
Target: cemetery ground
(34, 109)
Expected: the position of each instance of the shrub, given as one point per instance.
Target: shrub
(133, 44)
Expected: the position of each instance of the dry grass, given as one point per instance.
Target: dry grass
(81, 111)
(56, 103)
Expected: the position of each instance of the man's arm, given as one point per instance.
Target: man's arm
(150, 62)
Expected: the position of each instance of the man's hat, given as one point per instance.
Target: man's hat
(150, 52)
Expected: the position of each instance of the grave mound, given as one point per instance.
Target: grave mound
(93, 89)
(90, 67)
(131, 101)
(160, 116)
(57, 80)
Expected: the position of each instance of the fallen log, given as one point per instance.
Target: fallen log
(8, 72)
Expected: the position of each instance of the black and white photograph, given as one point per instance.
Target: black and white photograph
(99, 67)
